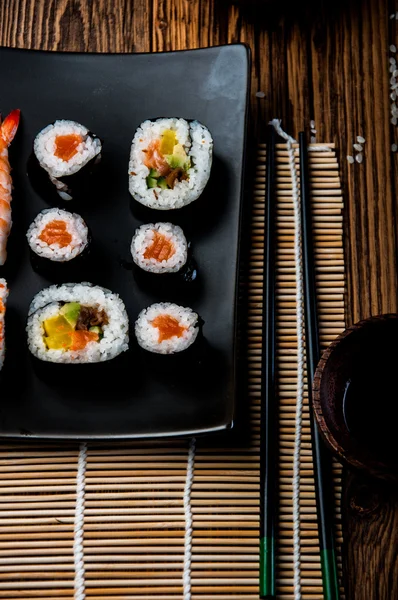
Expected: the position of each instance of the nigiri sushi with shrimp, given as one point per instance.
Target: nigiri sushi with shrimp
(8, 129)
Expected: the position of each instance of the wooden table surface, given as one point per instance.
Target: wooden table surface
(329, 63)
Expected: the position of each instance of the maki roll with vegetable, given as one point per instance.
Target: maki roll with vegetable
(64, 155)
(77, 323)
(58, 235)
(159, 248)
(3, 302)
(166, 328)
(170, 162)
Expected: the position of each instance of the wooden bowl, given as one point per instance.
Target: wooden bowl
(353, 352)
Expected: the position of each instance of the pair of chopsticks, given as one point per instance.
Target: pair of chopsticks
(269, 422)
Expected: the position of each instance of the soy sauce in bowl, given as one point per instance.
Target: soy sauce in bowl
(370, 403)
(355, 396)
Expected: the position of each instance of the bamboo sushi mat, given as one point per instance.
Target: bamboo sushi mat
(134, 512)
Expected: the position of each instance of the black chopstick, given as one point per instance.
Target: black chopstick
(268, 437)
(321, 459)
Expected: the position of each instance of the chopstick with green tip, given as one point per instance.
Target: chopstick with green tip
(321, 458)
(268, 437)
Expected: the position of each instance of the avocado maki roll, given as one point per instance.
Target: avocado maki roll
(166, 328)
(64, 155)
(77, 323)
(159, 248)
(170, 162)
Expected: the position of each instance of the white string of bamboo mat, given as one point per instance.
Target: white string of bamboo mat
(78, 548)
(188, 520)
(300, 328)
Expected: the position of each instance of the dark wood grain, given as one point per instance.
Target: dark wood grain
(328, 63)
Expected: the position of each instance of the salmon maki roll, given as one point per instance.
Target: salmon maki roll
(58, 235)
(64, 155)
(3, 302)
(166, 328)
(159, 248)
(170, 162)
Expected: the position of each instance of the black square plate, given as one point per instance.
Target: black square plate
(112, 95)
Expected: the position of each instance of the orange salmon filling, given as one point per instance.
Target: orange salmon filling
(81, 338)
(168, 327)
(56, 232)
(66, 146)
(155, 160)
(160, 249)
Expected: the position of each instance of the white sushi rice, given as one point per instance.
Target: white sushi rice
(148, 335)
(3, 302)
(44, 148)
(144, 239)
(198, 144)
(47, 304)
(75, 226)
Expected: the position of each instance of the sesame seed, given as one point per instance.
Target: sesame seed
(395, 73)
(360, 139)
(394, 147)
(260, 95)
(392, 16)
(359, 158)
(393, 80)
(358, 147)
(394, 120)
(394, 87)
(313, 139)
(393, 96)
(392, 68)
(392, 60)
(350, 159)
(312, 124)
(393, 48)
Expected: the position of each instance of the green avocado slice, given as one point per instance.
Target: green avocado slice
(71, 311)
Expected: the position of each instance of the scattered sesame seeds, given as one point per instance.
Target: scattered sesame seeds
(359, 158)
(393, 48)
(358, 147)
(394, 147)
(350, 159)
(360, 139)
(260, 94)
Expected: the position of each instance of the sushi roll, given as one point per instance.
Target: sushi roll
(166, 328)
(64, 154)
(58, 235)
(77, 323)
(3, 302)
(170, 162)
(159, 248)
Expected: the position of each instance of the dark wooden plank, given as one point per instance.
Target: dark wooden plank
(328, 62)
